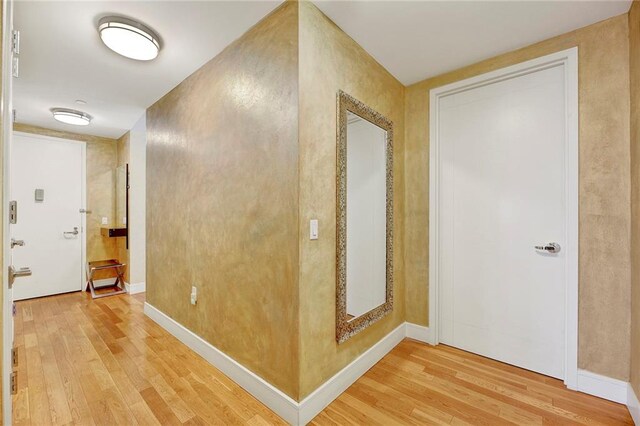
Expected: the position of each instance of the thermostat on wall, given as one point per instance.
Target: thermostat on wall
(39, 195)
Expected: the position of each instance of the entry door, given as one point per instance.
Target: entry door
(49, 223)
(502, 193)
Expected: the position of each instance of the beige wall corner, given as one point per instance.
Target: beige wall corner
(634, 78)
(604, 314)
(330, 61)
(222, 191)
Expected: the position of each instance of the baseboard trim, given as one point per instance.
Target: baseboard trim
(276, 400)
(135, 288)
(300, 413)
(313, 404)
(420, 333)
(602, 386)
(293, 412)
(633, 404)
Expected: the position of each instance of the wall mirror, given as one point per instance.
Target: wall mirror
(364, 217)
(121, 182)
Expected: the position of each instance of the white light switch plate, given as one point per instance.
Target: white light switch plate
(194, 295)
(105, 220)
(313, 229)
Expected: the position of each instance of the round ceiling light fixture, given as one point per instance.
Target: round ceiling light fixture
(129, 38)
(71, 116)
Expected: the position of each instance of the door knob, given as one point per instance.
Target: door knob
(16, 273)
(549, 247)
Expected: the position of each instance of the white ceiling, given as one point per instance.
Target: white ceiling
(62, 58)
(415, 40)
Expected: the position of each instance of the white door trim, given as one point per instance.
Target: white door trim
(83, 192)
(569, 59)
(7, 129)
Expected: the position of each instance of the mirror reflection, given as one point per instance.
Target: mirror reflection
(121, 196)
(366, 216)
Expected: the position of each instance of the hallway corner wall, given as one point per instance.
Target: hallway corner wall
(330, 61)
(221, 200)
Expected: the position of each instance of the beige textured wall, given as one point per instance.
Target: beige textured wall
(604, 314)
(330, 60)
(634, 71)
(222, 191)
(122, 155)
(101, 164)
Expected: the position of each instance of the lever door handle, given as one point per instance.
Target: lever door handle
(16, 273)
(549, 247)
(74, 232)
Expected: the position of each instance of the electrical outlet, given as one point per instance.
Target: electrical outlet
(105, 220)
(194, 295)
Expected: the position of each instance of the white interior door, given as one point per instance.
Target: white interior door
(502, 191)
(53, 250)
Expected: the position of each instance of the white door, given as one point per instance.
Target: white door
(51, 227)
(502, 191)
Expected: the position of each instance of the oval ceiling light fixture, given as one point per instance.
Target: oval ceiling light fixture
(129, 38)
(71, 116)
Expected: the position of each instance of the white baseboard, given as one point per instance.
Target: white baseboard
(633, 404)
(295, 413)
(602, 386)
(300, 413)
(276, 400)
(419, 332)
(332, 388)
(135, 287)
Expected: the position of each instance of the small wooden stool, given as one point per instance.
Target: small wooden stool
(100, 265)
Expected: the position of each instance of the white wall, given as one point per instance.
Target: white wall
(137, 206)
(366, 217)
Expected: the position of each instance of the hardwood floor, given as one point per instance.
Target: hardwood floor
(85, 361)
(103, 361)
(421, 384)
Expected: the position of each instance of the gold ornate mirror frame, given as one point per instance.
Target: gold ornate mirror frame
(346, 328)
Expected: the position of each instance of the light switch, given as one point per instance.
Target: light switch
(313, 229)
(105, 221)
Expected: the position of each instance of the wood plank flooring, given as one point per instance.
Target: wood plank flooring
(84, 361)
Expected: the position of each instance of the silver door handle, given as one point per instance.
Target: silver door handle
(549, 247)
(15, 242)
(74, 232)
(16, 273)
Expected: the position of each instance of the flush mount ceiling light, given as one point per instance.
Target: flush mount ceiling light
(71, 116)
(129, 38)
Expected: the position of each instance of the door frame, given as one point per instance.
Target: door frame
(6, 111)
(83, 194)
(569, 60)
